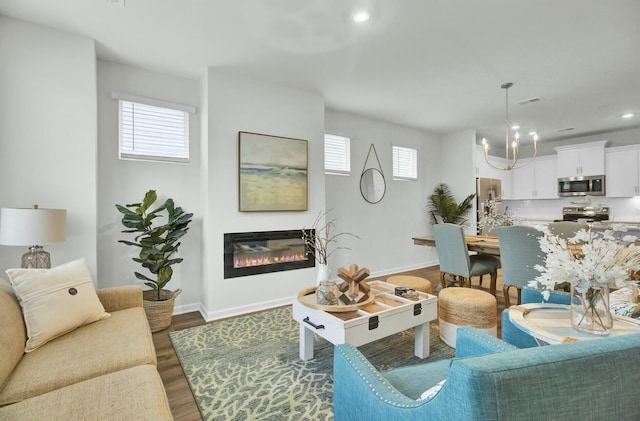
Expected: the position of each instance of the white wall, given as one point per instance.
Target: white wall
(458, 171)
(238, 104)
(385, 228)
(48, 133)
(126, 181)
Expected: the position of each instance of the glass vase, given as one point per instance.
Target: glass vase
(327, 293)
(590, 310)
(322, 274)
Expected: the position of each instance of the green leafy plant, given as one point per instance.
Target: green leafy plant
(157, 243)
(444, 208)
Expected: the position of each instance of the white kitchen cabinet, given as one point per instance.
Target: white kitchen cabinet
(581, 160)
(623, 171)
(546, 177)
(538, 180)
(484, 170)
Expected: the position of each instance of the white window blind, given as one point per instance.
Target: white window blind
(153, 130)
(405, 163)
(337, 154)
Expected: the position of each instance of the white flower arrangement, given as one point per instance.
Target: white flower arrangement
(588, 261)
(491, 218)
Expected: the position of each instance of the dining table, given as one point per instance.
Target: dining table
(483, 244)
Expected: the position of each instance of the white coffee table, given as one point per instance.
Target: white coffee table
(550, 324)
(386, 315)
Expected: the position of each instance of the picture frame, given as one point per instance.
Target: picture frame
(272, 173)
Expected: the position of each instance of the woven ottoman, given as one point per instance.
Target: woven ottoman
(459, 306)
(414, 282)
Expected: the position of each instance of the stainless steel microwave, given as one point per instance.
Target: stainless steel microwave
(582, 186)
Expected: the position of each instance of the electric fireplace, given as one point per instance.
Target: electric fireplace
(253, 253)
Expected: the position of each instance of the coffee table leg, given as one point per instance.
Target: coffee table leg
(306, 343)
(422, 340)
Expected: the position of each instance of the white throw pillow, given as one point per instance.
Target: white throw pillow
(431, 392)
(55, 301)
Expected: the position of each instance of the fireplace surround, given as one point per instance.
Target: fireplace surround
(253, 253)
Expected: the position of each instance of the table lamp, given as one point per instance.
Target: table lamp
(32, 227)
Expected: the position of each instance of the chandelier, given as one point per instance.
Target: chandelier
(511, 151)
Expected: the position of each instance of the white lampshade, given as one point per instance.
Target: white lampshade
(29, 227)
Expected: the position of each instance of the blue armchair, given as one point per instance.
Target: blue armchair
(582, 380)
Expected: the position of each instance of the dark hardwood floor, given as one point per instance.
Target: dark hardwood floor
(183, 405)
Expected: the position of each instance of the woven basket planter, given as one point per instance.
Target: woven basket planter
(159, 313)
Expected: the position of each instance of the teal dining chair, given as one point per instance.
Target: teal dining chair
(566, 229)
(519, 253)
(455, 260)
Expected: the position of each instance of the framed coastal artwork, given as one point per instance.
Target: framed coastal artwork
(272, 173)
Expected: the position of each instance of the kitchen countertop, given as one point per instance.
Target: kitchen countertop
(633, 225)
(607, 224)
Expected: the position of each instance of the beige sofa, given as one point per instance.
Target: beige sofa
(105, 370)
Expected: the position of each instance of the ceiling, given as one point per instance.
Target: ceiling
(431, 64)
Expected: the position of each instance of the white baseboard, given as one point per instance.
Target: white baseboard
(265, 305)
(187, 308)
(400, 269)
(240, 310)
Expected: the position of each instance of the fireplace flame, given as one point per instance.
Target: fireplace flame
(268, 260)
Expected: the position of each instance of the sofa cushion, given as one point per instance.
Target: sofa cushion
(413, 380)
(432, 391)
(133, 394)
(13, 334)
(119, 342)
(56, 301)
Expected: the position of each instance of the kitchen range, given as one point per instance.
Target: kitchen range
(586, 214)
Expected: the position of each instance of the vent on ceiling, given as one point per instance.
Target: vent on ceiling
(530, 100)
(566, 129)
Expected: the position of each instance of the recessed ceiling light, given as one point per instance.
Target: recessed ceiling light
(515, 127)
(361, 16)
(627, 115)
(532, 133)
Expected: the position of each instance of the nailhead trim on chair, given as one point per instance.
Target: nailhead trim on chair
(492, 341)
(410, 404)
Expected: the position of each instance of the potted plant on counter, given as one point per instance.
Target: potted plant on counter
(157, 244)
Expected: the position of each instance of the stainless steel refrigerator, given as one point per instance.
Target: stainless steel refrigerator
(487, 189)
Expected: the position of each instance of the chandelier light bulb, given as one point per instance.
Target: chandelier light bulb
(361, 16)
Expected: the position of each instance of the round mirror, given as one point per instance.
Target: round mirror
(372, 185)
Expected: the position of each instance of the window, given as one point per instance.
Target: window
(337, 154)
(153, 130)
(405, 163)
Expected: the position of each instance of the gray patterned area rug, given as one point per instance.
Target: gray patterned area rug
(248, 367)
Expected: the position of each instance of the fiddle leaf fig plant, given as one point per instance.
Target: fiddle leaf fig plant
(157, 243)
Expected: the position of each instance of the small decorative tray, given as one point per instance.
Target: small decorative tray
(308, 298)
